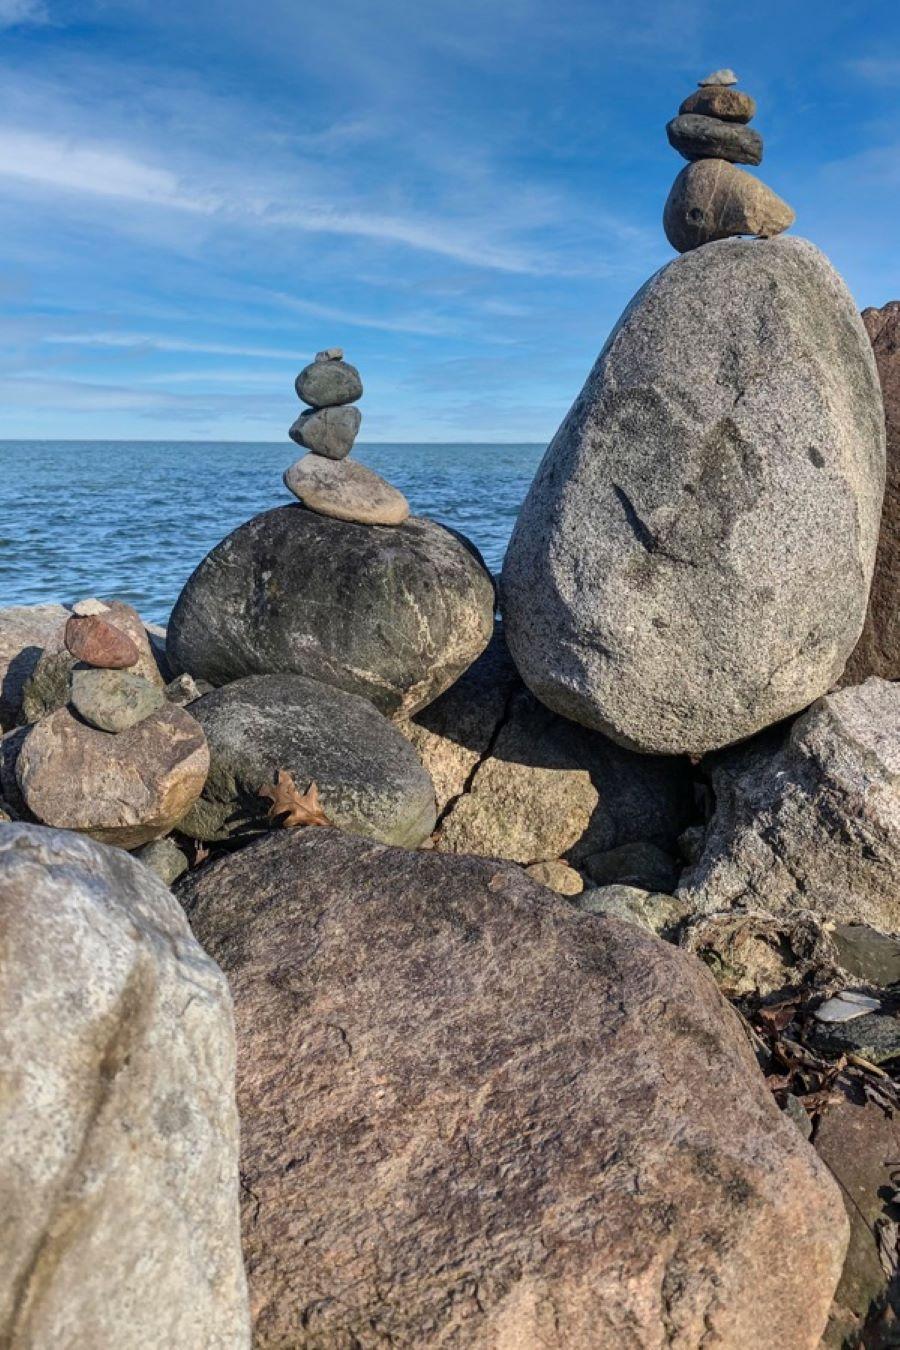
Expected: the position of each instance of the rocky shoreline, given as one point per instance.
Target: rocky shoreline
(393, 959)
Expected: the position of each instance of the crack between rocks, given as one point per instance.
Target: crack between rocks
(486, 754)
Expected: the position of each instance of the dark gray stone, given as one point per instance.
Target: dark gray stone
(682, 600)
(369, 777)
(47, 688)
(328, 431)
(326, 384)
(875, 1037)
(641, 864)
(114, 700)
(394, 614)
(697, 137)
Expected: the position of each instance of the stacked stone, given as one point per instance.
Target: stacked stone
(711, 199)
(324, 480)
(104, 750)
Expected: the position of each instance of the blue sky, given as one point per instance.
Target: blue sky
(196, 196)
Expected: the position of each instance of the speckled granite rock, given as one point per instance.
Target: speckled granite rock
(473, 1116)
(713, 199)
(119, 1134)
(683, 601)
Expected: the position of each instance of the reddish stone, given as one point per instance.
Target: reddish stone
(90, 638)
(878, 649)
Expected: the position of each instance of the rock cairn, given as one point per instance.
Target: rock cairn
(324, 479)
(104, 750)
(711, 199)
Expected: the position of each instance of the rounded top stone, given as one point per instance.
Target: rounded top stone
(331, 354)
(724, 76)
(329, 382)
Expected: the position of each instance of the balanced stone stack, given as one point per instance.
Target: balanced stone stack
(325, 480)
(711, 199)
(103, 750)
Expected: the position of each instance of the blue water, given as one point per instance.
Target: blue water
(132, 519)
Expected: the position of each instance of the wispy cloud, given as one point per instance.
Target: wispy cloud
(150, 343)
(880, 70)
(14, 12)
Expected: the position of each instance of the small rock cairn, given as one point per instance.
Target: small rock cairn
(325, 480)
(105, 691)
(711, 199)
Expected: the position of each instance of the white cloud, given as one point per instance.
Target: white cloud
(13, 12)
(100, 170)
(150, 343)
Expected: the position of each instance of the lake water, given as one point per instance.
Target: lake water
(132, 519)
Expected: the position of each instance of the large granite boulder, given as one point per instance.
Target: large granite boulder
(369, 778)
(395, 615)
(473, 1116)
(692, 562)
(123, 789)
(810, 820)
(118, 1133)
(878, 649)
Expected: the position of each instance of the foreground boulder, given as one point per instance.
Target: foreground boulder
(471, 1115)
(370, 780)
(395, 615)
(119, 1134)
(810, 821)
(125, 789)
(683, 600)
(878, 650)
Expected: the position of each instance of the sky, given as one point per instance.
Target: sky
(195, 197)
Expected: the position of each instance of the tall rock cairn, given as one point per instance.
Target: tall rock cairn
(711, 198)
(325, 480)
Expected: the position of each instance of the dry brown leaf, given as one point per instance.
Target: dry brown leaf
(291, 806)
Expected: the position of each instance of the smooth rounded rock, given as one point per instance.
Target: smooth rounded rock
(119, 1132)
(345, 491)
(165, 858)
(326, 384)
(697, 137)
(557, 876)
(328, 431)
(125, 789)
(683, 600)
(472, 1116)
(92, 639)
(114, 700)
(731, 105)
(711, 199)
(369, 778)
(394, 615)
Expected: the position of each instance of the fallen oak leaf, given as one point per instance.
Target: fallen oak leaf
(292, 807)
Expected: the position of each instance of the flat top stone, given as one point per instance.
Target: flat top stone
(346, 490)
(723, 77)
(331, 354)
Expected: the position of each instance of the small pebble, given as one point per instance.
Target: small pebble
(794, 1108)
(183, 690)
(90, 606)
(165, 858)
(331, 354)
(724, 76)
(557, 876)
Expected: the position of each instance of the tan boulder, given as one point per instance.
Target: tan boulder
(118, 1128)
(473, 1116)
(712, 199)
(878, 649)
(123, 789)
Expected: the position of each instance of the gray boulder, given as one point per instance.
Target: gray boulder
(473, 1117)
(326, 383)
(692, 562)
(810, 821)
(119, 1133)
(369, 778)
(114, 700)
(328, 431)
(395, 615)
